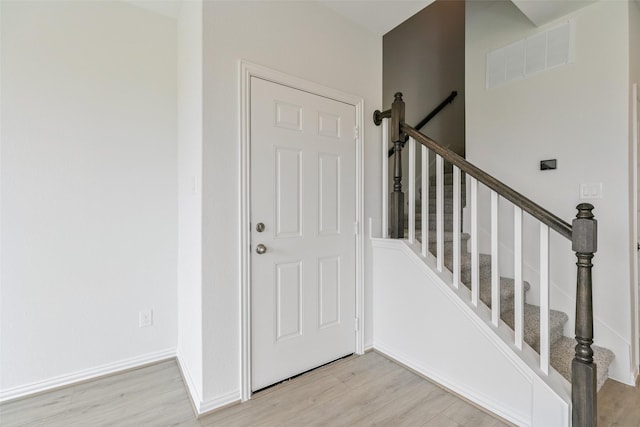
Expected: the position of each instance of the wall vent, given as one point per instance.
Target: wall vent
(540, 52)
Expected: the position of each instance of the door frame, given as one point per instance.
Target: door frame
(635, 292)
(246, 71)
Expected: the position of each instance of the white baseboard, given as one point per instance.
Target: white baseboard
(219, 402)
(200, 406)
(482, 401)
(192, 390)
(86, 375)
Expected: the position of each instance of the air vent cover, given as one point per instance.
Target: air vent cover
(542, 51)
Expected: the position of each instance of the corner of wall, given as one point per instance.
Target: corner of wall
(194, 390)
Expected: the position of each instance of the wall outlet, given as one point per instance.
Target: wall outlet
(145, 318)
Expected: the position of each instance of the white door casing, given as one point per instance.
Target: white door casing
(636, 283)
(289, 267)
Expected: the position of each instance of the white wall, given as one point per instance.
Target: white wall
(89, 218)
(577, 114)
(190, 194)
(305, 40)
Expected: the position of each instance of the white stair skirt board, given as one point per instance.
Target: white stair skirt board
(427, 325)
(86, 374)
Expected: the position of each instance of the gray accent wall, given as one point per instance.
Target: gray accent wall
(424, 59)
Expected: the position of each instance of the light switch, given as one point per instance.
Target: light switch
(591, 191)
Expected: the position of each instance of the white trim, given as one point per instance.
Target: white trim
(248, 70)
(412, 190)
(517, 277)
(424, 199)
(440, 212)
(358, 102)
(635, 292)
(194, 395)
(545, 339)
(87, 374)
(219, 402)
(475, 261)
(456, 227)
(495, 259)
(200, 406)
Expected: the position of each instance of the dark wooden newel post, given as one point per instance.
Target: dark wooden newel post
(583, 370)
(396, 201)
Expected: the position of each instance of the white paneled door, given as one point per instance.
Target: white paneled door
(303, 214)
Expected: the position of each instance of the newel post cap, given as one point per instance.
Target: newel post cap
(584, 230)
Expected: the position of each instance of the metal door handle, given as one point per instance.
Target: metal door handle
(260, 249)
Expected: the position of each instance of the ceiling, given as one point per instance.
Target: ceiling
(378, 16)
(541, 12)
(381, 16)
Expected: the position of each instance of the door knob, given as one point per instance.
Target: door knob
(260, 249)
(259, 227)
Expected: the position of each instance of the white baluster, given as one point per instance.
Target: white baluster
(475, 257)
(517, 273)
(412, 190)
(495, 273)
(545, 342)
(385, 178)
(439, 212)
(425, 200)
(456, 227)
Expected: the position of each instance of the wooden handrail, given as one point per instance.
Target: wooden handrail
(535, 210)
(448, 100)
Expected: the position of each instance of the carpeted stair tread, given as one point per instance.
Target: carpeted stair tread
(448, 206)
(563, 351)
(465, 257)
(484, 261)
(433, 218)
(506, 283)
(562, 348)
(448, 237)
(507, 292)
(531, 326)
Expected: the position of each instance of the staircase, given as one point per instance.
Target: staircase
(562, 347)
(494, 315)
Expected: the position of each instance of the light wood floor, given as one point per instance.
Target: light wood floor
(358, 391)
(619, 405)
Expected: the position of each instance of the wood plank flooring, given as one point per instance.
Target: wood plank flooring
(364, 390)
(367, 390)
(619, 405)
